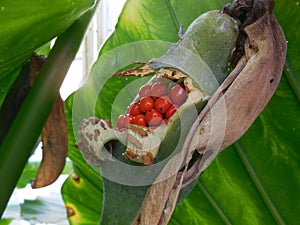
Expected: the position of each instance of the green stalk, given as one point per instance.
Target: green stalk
(21, 138)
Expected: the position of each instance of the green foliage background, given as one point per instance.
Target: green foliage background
(251, 181)
(255, 181)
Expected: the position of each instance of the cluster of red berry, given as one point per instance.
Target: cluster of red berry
(155, 104)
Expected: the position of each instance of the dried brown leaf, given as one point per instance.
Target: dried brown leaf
(54, 137)
(246, 97)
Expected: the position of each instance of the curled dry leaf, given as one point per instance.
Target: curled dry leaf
(234, 106)
(257, 74)
(54, 137)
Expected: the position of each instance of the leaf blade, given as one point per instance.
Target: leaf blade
(227, 179)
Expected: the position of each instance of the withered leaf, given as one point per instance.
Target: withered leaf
(54, 137)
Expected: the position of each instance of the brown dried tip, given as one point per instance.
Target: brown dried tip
(247, 12)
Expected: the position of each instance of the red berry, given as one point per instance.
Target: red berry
(153, 127)
(178, 95)
(124, 120)
(162, 104)
(146, 103)
(134, 109)
(145, 90)
(140, 120)
(165, 121)
(171, 111)
(130, 118)
(159, 89)
(153, 118)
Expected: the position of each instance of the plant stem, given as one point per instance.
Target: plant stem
(21, 138)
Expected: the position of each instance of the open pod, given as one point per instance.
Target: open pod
(231, 110)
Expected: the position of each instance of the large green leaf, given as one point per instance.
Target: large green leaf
(22, 30)
(5, 221)
(83, 205)
(24, 131)
(256, 180)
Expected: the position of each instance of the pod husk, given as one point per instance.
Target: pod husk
(229, 113)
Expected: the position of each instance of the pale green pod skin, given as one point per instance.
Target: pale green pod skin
(213, 36)
(204, 51)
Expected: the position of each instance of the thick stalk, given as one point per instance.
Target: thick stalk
(21, 138)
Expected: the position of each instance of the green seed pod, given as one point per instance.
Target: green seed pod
(216, 47)
(204, 51)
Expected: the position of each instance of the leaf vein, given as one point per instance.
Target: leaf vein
(174, 221)
(173, 14)
(213, 203)
(258, 184)
(292, 79)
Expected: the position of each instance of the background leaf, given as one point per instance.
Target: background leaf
(256, 180)
(43, 210)
(82, 192)
(23, 21)
(42, 95)
(5, 221)
(85, 206)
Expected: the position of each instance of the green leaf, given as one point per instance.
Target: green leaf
(156, 20)
(43, 210)
(29, 173)
(5, 221)
(19, 141)
(113, 212)
(82, 192)
(22, 30)
(256, 180)
(83, 197)
(292, 65)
